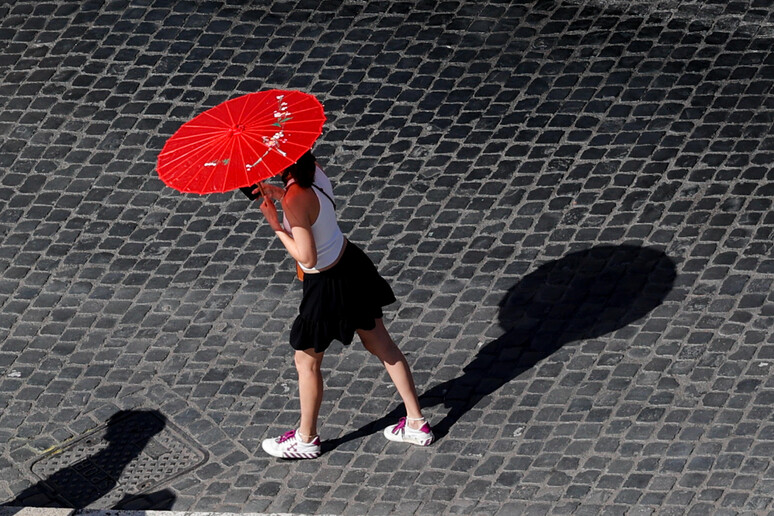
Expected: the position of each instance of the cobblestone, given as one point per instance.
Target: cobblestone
(571, 200)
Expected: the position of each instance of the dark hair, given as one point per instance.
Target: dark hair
(302, 171)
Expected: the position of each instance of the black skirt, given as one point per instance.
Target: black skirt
(336, 302)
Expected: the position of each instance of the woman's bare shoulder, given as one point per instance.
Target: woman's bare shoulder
(296, 194)
(300, 200)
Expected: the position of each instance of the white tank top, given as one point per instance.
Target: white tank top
(328, 238)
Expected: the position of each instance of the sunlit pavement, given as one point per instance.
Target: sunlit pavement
(572, 201)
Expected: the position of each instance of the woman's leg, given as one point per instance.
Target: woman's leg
(379, 343)
(310, 390)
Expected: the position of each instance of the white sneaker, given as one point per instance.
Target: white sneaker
(405, 434)
(288, 446)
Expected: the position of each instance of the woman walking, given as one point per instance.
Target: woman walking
(343, 294)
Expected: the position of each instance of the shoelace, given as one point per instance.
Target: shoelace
(399, 427)
(287, 435)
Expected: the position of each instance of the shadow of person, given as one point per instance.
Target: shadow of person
(583, 295)
(95, 477)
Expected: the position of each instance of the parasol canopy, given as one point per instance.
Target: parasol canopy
(241, 142)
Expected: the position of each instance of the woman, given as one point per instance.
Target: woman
(343, 294)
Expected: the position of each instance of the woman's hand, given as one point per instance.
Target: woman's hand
(269, 211)
(270, 191)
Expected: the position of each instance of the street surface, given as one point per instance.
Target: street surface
(571, 199)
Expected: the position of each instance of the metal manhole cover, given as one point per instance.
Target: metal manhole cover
(129, 456)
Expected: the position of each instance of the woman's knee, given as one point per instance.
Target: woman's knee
(374, 340)
(383, 347)
(307, 361)
(373, 346)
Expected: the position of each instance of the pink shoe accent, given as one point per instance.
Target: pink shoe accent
(401, 424)
(400, 432)
(287, 435)
(289, 446)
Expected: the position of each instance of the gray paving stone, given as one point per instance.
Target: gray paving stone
(571, 200)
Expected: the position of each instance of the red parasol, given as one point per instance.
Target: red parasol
(241, 141)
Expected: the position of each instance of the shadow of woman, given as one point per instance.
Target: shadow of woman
(583, 295)
(96, 476)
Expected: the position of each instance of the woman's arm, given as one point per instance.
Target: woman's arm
(300, 242)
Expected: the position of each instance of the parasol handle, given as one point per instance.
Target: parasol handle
(248, 191)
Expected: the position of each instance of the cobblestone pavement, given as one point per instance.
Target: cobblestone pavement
(572, 201)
